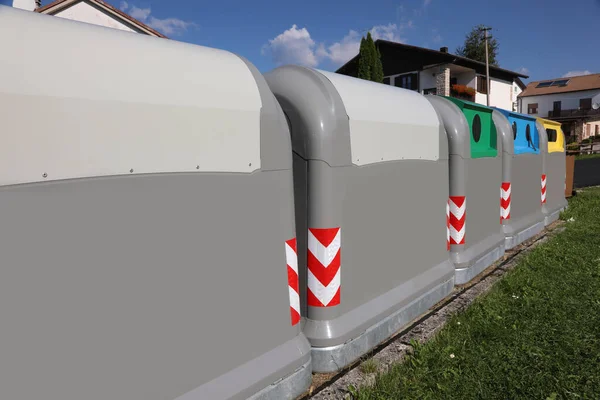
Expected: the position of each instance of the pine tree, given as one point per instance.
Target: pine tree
(364, 61)
(377, 69)
(474, 47)
(369, 60)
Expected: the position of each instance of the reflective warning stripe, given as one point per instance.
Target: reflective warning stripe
(291, 257)
(543, 188)
(324, 267)
(458, 217)
(505, 191)
(448, 224)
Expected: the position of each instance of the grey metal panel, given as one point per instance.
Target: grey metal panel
(523, 171)
(145, 287)
(393, 246)
(272, 137)
(555, 187)
(479, 180)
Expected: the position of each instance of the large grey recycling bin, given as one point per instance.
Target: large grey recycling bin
(370, 177)
(145, 218)
(554, 178)
(520, 210)
(475, 152)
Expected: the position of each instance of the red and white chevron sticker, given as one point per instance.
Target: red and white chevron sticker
(324, 267)
(505, 191)
(543, 188)
(458, 216)
(448, 225)
(291, 256)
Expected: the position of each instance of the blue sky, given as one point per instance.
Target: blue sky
(543, 39)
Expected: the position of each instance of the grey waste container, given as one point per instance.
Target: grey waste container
(147, 202)
(554, 178)
(475, 150)
(370, 175)
(520, 210)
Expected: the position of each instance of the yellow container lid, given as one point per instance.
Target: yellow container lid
(556, 137)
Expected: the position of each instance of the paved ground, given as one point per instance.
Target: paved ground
(587, 172)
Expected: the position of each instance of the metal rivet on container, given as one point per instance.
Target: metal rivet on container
(250, 164)
(197, 167)
(45, 175)
(131, 170)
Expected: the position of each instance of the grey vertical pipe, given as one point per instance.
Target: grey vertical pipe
(523, 171)
(487, 245)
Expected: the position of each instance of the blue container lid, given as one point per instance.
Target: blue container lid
(525, 133)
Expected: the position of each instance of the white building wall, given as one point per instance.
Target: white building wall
(84, 12)
(501, 94)
(427, 78)
(569, 101)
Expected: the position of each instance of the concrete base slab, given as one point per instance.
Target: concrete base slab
(289, 387)
(550, 218)
(515, 240)
(464, 275)
(334, 358)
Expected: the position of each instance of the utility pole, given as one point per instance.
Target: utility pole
(487, 65)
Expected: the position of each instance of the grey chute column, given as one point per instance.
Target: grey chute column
(520, 210)
(476, 236)
(148, 220)
(370, 179)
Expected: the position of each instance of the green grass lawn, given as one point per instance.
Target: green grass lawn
(535, 335)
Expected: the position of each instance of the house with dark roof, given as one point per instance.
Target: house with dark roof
(440, 72)
(97, 12)
(572, 101)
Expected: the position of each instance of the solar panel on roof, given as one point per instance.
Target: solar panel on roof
(562, 82)
(544, 84)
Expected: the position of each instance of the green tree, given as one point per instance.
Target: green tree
(364, 61)
(369, 60)
(474, 46)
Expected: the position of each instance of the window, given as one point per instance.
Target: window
(408, 81)
(430, 91)
(453, 81)
(585, 104)
(560, 82)
(514, 126)
(597, 130)
(386, 80)
(482, 84)
(551, 135)
(532, 108)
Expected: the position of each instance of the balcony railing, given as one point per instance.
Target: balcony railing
(574, 113)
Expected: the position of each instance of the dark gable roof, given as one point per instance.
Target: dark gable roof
(398, 58)
(59, 5)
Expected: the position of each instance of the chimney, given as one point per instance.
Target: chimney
(29, 5)
(444, 49)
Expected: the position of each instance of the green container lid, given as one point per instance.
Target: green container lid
(482, 129)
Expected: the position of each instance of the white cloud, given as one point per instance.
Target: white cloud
(523, 70)
(576, 73)
(294, 46)
(168, 26)
(426, 3)
(344, 50)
